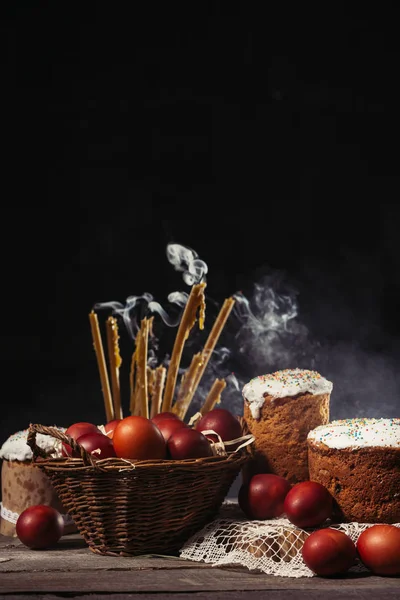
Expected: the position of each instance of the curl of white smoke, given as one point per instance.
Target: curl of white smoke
(183, 259)
(186, 260)
(270, 333)
(266, 335)
(130, 310)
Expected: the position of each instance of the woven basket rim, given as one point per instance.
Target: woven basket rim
(119, 464)
(89, 463)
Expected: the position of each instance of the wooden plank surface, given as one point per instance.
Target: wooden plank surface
(278, 594)
(71, 568)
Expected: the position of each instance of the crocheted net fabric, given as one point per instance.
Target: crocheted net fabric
(272, 546)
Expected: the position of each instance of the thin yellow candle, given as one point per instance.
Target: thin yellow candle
(151, 375)
(195, 302)
(213, 338)
(214, 396)
(186, 388)
(141, 394)
(101, 363)
(132, 377)
(158, 388)
(115, 361)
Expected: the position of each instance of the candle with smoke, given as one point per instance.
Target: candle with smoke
(263, 333)
(256, 338)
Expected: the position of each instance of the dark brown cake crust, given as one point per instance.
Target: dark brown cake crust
(365, 482)
(280, 444)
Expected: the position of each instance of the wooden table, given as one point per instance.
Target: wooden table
(71, 569)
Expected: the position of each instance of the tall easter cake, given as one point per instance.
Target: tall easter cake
(23, 484)
(358, 461)
(280, 409)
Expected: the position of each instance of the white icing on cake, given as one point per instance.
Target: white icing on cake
(358, 433)
(288, 382)
(16, 447)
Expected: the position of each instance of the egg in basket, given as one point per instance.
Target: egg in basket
(155, 479)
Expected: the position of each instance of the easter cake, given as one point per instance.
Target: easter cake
(358, 461)
(23, 484)
(280, 409)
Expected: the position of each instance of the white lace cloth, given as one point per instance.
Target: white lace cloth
(12, 517)
(273, 546)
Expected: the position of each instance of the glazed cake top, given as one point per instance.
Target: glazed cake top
(16, 447)
(288, 382)
(358, 433)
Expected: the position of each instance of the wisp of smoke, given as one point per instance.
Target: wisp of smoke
(193, 271)
(262, 334)
(186, 260)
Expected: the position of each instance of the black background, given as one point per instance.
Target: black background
(265, 140)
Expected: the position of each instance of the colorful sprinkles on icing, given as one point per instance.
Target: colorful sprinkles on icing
(296, 377)
(284, 383)
(356, 433)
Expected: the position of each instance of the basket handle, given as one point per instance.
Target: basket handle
(63, 437)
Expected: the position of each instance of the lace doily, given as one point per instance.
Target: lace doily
(272, 547)
(12, 517)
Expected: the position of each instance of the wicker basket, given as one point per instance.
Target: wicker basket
(126, 507)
